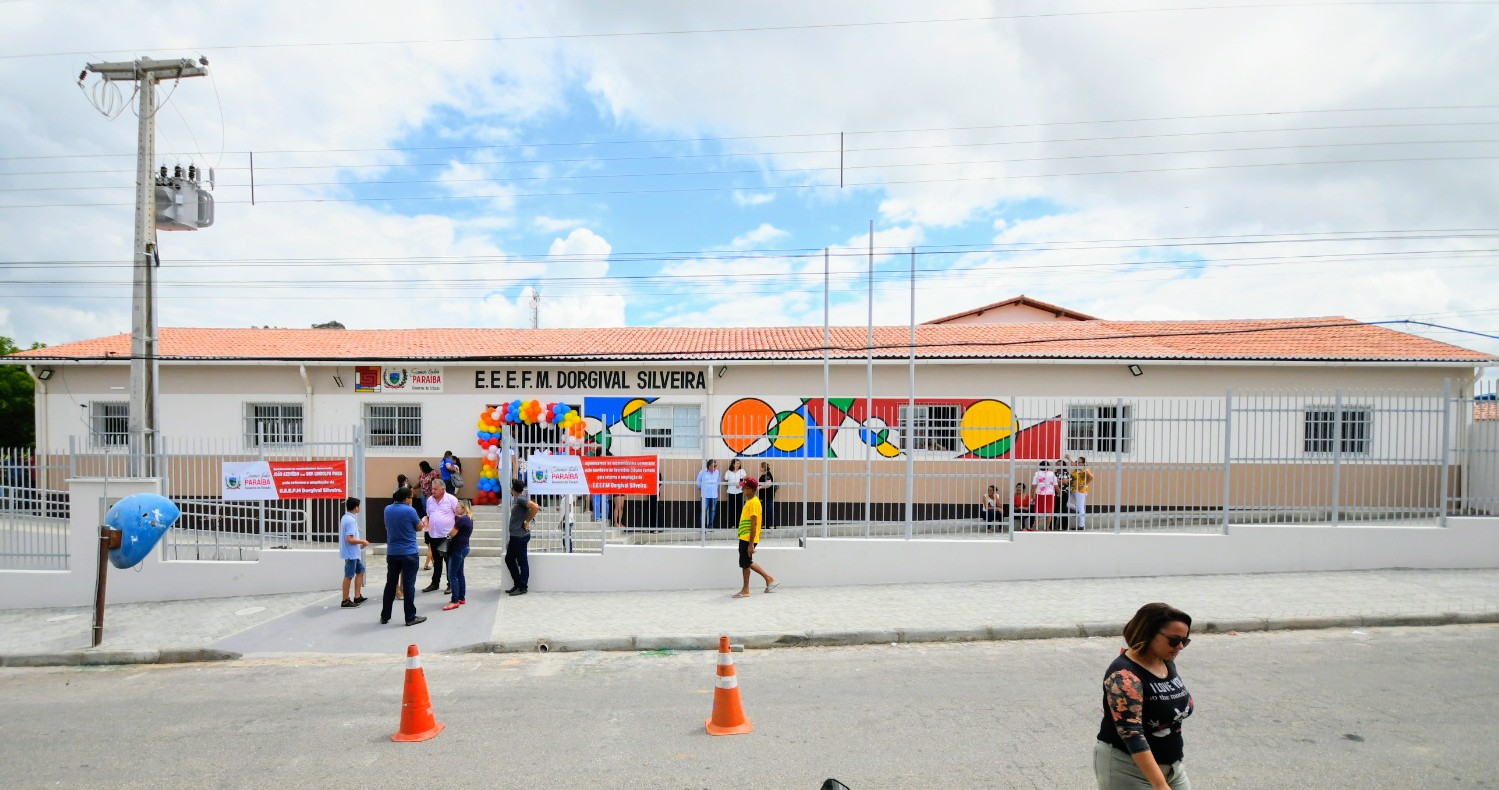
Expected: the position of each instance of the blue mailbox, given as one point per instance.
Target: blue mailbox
(141, 519)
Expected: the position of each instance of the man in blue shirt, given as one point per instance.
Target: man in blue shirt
(401, 558)
(707, 484)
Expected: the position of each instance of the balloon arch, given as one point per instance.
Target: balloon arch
(520, 412)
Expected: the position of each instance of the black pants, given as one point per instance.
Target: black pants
(732, 506)
(439, 559)
(768, 503)
(400, 569)
(515, 560)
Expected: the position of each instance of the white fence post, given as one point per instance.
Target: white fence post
(1337, 452)
(1443, 483)
(1118, 463)
(1228, 455)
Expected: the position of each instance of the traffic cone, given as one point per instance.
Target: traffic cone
(728, 715)
(417, 721)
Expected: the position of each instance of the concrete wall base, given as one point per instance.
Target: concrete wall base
(1465, 543)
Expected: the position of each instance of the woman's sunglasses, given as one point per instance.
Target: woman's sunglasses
(1177, 641)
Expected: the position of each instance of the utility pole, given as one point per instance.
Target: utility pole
(145, 72)
(535, 307)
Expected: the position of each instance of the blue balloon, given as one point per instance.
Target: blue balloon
(143, 519)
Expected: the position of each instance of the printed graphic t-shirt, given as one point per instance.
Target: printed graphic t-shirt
(1045, 482)
(1149, 709)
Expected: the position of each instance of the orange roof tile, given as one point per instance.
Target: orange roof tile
(1306, 339)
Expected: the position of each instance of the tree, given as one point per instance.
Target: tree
(17, 400)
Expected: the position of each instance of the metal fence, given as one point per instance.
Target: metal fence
(1117, 465)
(887, 468)
(213, 527)
(33, 510)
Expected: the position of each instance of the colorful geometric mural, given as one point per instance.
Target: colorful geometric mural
(607, 419)
(985, 428)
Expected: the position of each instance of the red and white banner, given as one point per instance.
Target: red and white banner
(265, 480)
(610, 474)
(621, 474)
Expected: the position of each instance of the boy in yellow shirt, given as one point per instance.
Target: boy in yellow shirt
(751, 516)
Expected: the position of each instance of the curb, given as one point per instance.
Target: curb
(767, 640)
(94, 658)
(996, 633)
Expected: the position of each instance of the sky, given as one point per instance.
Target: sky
(710, 164)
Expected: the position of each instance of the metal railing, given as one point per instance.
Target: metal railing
(34, 510)
(878, 468)
(218, 529)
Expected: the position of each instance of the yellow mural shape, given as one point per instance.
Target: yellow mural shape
(986, 422)
(790, 432)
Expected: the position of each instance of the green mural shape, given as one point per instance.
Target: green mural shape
(635, 420)
(994, 449)
(843, 404)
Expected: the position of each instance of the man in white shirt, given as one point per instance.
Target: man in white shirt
(442, 513)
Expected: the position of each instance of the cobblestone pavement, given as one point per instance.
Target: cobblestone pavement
(560, 617)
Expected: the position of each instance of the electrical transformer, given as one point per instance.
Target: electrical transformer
(182, 202)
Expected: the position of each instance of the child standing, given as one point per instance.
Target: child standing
(1044, 483)
(351, 551)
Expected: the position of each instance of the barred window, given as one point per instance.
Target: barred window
(1099, 429)
(930, 426)
(1323, 433)
(109, 423)
(268, 424)
(393, 424)
(671, 427)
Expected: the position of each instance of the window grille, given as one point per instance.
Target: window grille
(393, 424)
(1099, 429)
(268, 424)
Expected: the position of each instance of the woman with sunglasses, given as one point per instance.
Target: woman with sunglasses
(1144, 702)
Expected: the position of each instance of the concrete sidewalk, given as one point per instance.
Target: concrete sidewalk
(314, 623)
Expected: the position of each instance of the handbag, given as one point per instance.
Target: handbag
(456, 478)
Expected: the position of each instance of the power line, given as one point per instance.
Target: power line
(674, 281)
(829, 134)
(792, 187)
(782, 28)
(668, 256)
(790, 170)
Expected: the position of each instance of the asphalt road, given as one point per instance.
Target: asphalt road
(1387, 708)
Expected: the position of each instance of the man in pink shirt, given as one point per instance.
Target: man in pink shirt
(442, 513)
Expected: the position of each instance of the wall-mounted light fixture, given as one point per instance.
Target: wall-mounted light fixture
(44, 374)
(1134, 370)
(722, 370)
(337, 379)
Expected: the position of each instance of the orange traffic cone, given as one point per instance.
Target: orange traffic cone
(728, 715)
(417, 721)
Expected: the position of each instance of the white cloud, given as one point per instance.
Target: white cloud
(743, 198)
(765, 234)
(545, 224)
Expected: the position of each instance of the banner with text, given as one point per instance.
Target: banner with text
(249, 481)
(571, 474)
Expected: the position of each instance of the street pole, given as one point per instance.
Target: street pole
(145, 72)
